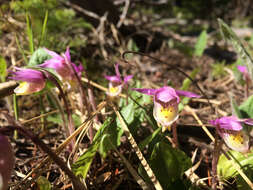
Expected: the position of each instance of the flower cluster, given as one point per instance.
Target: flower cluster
(166, 100)
(231, 130)
(116, 83)
(35, 81)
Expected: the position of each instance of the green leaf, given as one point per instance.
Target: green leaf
(43, 183)
(115, 133)
(226, 170)
(201, 44)
(105, 145)
(29, 33)
(127, 113)
(38, 57)
(187, 82)
(3, 69)
(43, 31)
(246, 108)
(82, 165)
(151, 137)
(168, 164)
(231, 37)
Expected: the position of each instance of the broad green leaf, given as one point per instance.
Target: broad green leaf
(43, 183)
(147, 140)
(82, 165)
(38, 57)
(246, 108)
(3, 68)
(201, 44)
(105, 145)
(168, 164)
(115, 133)
(231, 37)
(226, 170)
(127, 113)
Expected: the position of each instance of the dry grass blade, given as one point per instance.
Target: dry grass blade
(194, 178)
(134, 145)
(231, 159)
(45, 162)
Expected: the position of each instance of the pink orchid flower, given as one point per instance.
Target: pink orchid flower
(116, 83)
(166, 100)
(231, 130)
(33, 81)
(62, 65)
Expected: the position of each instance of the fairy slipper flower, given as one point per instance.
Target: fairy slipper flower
(32, 81)
(231, 130)
(166, 100)
(116, 83)
(62, 66)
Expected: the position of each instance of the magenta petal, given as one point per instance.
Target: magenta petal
(166, 94)
(248, 121)
(187, 94)
(52, 53)
(28, 75)
(67, 55)
(78, 69)
(127, 78)
(229, 123)
(53, 63)
(113, 78)
(242, 68)
(117, 69)
(148, 91)
(214, 122)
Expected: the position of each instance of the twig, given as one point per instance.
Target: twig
(6, 88)
(28, 134)
(138, 152)
(60, 148)
(124, 13)
(80, 9)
